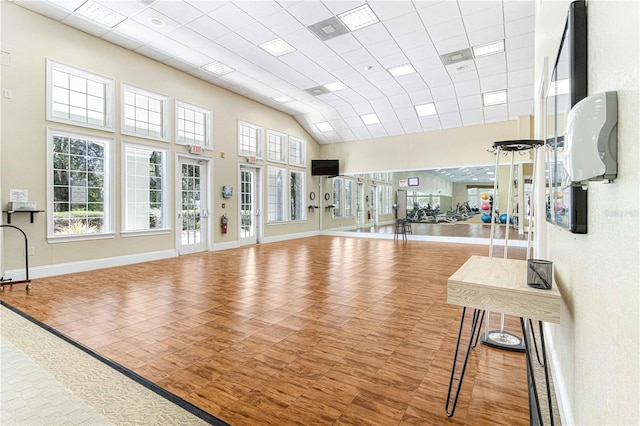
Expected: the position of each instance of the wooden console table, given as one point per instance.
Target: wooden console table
(500, 285)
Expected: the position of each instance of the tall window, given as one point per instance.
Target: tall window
(193, 125)
(276, 146)
(145, 113)
(276, 195)
(337, 197)
(249, 139)
(297, 151)
(297, 198)
(145, 185)
(348, 197)
(79, 97)
(79, 176)
(385, 201)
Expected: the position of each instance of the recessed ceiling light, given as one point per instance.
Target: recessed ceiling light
(489, 173)
(494, 98)
(401, 70)
(156, 22)
(488, 49)
(99, 13)
(283, 99)
(218, 68)
(474, 178)
(369, 119)
(359, 17)
(425, 109)
(324, 126)
(277, 47)
(335, 86)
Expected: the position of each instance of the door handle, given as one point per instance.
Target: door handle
(205, 213)
(258, 212)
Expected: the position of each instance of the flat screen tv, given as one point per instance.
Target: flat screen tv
(325, 168)
(566, 202)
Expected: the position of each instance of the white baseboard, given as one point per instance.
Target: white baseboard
(87, 265)
(287, 237)
(562, 396)
(226, 246)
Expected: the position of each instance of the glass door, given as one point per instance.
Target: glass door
(374, 205)
(249, 211)
(359, 205)
(192, 212)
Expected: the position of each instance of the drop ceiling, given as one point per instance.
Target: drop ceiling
(189, 35)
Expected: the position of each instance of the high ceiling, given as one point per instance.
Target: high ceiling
(191, 34)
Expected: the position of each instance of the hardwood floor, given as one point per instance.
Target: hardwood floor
(321, 330)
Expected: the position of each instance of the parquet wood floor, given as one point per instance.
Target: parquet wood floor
(315, 331)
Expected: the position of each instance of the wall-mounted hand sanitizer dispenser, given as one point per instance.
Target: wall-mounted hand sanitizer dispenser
(591, 140)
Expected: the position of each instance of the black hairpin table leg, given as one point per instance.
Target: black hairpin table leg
(525, 338)
(474, 324)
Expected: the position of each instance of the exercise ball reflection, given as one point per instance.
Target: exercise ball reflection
(486, 218)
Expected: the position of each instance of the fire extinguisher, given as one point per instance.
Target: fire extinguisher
(224, 220)
(368, 214)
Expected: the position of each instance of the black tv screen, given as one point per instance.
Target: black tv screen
(325, 168)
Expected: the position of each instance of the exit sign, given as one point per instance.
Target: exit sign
(252, 160)
(195, 149)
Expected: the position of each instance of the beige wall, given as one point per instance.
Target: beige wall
(597, 341)
(30, 38)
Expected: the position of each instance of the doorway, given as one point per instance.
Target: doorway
(374, 205)
(192, 205)
(359, 205)
(249, 212)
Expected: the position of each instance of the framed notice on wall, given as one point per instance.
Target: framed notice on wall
(413, 181)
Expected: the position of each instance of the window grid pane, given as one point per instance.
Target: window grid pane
(144, 189)
(79, 185)
(276, 195)
(249, 139)
(192, 126)
(337, 197)
(348, 197)
(144, 114)
(276, 146)
(297, 198)
(296, 152)
(77, 98)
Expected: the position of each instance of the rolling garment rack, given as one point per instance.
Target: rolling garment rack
(502, 339)
(26, 281)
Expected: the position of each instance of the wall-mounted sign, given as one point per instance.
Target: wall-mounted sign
(227, 191)
(78, 194)
(414, 181)
(403, 182)
(195, 149)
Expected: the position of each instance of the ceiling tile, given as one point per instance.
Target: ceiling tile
(85, 25)
(361, 132)
(472, 7)
(421, 97)
(411, 125)
(152, 53)
(446, 30)
(513, 65)
(439, 12)
(523, 41)
(310, 12)
(451, 119)
(256, 33)
(486, 35)
(282, 23)
(204, 6)
(386, 10)
(401, 101)
(208, 27)
(414, 39)
(451, 44)
(147, 15)
(121, 40)
(464, 74)
(168, 46)
(372, 34)
(216, 51)
(484, 19)
(515, 10)
(422, 53)
(377, 130)
(385, 48)
(406, 113)
(450, 105)
(195, 58)
(490, 61)
(231, 16)
(405, 24)
(179, 64)
(519, 26)
(337, 7)
(393, 128)
(178, 10)
(136, 31)
(187, 37)
(344, 43)
(519, 94)
(425, 65)
(296, 59)
(493, 82)
(259, 9)
(517, 109)
(436, 77)
(357, 57)
(441, 93)
(492, 70)
(468, 88)
(386, 116)
(381, 104)
(520, 78)
(430, 123)
(470, 102)
(495, 113)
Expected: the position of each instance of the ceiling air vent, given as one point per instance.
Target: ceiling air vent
(328, 29)
(457, 56)
(318, 90)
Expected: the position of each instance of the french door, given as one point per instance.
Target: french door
(359, 205)
(249, 205)
(191, 206)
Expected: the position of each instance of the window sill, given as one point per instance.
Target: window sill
(81, 237)
(144, 233)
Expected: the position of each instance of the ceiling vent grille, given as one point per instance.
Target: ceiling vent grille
(328, 29)
(318, 90)
(457, 56)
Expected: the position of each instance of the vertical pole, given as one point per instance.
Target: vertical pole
(509, 197)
